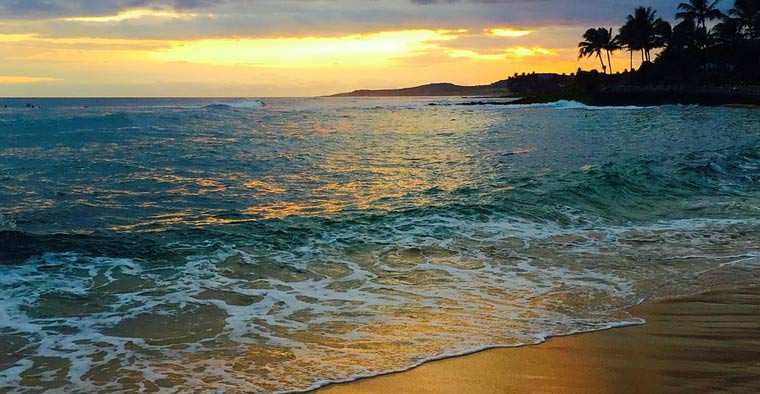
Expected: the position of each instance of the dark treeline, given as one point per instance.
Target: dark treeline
(705, 46)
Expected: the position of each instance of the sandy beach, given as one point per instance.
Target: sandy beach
(703, 343)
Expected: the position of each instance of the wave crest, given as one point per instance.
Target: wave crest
(244, 104)
(570, 104)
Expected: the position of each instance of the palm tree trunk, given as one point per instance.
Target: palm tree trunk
(609, 61)
(631, 52)
(604, 68)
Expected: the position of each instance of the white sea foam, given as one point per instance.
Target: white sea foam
(565, 104)
(7, 223)
(568, 279)
(222, 104)
(242, 104)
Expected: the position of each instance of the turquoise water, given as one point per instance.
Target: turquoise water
(213, 245)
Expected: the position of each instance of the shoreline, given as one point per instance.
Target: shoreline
(507, 369)
(644, 97)
(319, 387)
(522, 102)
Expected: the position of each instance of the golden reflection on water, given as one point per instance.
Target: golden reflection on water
(388, 160)
(283, 209)
(376, 178)
(261, 186)
(162, 222)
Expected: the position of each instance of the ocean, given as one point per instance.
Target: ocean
(216, 245)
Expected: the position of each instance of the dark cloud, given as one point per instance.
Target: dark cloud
(320, 17)
(21, 8)
(71, 8)
(549, 8)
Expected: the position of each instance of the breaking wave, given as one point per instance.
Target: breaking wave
(275, 250)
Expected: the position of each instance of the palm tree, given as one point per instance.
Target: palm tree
(627, 39)
(662, 33)
(643, 31)
(699, 11)
(747, 14)
(594, 41)
(612, 44)
(727, 33)
(684, 36)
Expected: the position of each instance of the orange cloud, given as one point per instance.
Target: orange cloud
(360, 50)
(11, 79)
(508, 32)
(133, 14)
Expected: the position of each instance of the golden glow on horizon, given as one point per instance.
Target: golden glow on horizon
(108, 43)
(14, 38)
(375, 49)
(133, 14)
(520, 51)
(516, 52)
(509, 32)
(119, 65)
(10, 79)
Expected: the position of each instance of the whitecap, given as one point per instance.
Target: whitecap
(566, 104)
(243, 104)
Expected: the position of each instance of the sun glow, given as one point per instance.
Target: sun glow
(516, 52)
(520, 51)
(375, 49)
(133, 14)
(508, 32)
(88, 63)
(16, 38)
(10, 79)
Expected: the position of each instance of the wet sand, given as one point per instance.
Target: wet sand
(705, 343)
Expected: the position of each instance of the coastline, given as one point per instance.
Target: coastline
(644, 96)
(700, 342)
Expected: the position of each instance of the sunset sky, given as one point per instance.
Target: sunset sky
(289, 47)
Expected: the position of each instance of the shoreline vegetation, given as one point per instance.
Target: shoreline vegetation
(709, 57)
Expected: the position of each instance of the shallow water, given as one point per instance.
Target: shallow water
(195, 244)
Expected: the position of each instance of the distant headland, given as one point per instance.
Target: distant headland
(435, 89)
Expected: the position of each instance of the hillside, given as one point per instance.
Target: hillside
(434, 89)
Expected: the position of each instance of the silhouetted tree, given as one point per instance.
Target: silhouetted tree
(747, 15)
(628, 40)
(727, 33)
(700, 11)
(612, 45)
(727, 53)
(643, 31)
(594, 42)
(662, 33)
(683, 37)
